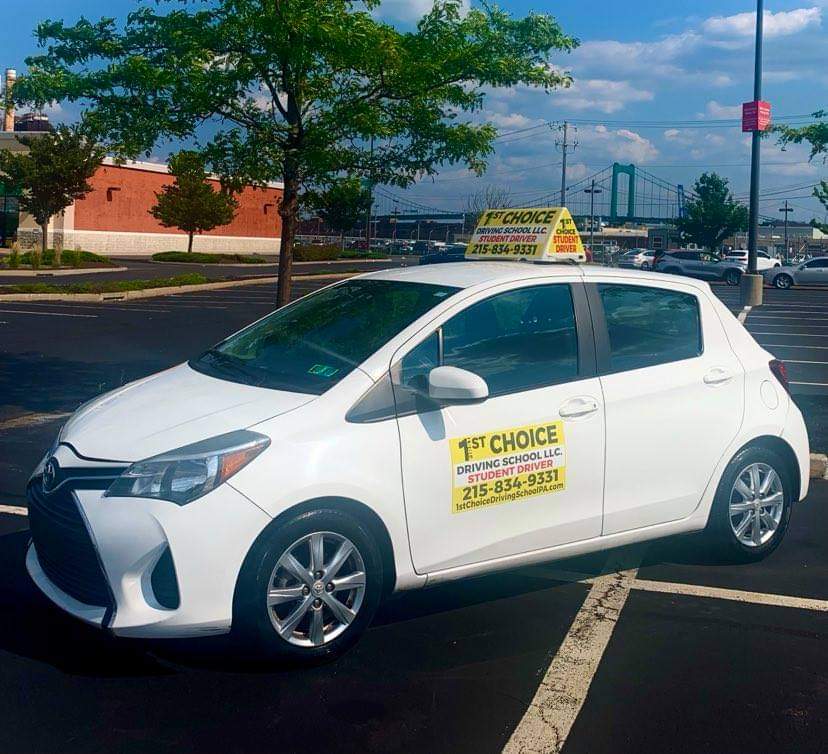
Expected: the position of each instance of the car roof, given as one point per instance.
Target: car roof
(470, 274)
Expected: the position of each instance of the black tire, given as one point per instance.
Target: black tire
(252, 624)
(783, 281)
(719, 532)
(732, 277)
(645, 265)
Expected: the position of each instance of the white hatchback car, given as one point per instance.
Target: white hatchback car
(408, 427)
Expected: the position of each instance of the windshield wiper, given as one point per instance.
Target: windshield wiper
(231, 365)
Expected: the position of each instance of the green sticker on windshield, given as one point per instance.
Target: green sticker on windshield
(322, 370)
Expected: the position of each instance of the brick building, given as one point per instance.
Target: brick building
(114, 219)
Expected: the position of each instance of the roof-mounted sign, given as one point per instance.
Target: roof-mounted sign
(535, 233)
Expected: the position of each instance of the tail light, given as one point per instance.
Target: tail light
(781, 373)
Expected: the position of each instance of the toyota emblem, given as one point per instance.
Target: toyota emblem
(49, 474)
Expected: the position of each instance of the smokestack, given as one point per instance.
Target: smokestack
(8, 122)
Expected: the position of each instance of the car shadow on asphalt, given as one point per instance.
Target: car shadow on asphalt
(36, 629)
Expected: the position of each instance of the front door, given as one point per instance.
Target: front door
(673, 392)
(814, 272)
(522, 470)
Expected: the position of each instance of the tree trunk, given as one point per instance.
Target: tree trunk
(189, 243)
(342, 241)
(44, 238)
(289, 212)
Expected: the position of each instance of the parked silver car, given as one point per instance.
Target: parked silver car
(812, 272)
(640, 259)
(700, 264)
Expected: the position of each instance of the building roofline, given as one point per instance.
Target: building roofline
(159, 167)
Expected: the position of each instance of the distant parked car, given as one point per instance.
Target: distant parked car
(702, 265)
(453, 252)
(764, 261)
(641, 259)
(812, 272)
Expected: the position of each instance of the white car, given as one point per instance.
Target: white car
(764, 261)
(408, 427)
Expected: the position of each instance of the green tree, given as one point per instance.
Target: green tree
(341, 205)
(297, 90)
(816, 136)
(190, 203)
(53, 172)
(712, 214)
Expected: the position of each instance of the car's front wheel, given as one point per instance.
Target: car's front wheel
(783, 281)
(752, 507)
(645, 265)
(309, 588)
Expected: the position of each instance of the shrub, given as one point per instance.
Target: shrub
(198, 257)
(84, 258)
(14, 257)
(316, 253)
(34, 258)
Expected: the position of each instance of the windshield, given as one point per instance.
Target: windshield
(312, 344)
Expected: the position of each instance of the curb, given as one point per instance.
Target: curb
(167, 291)
(46, 272)
(819, 466)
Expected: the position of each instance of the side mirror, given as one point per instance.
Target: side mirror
(453, 385)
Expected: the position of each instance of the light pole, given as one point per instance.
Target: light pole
(592, 191)
(751, 281)
(786, 209)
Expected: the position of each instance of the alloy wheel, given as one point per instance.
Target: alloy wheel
(316, 589)
(757, 501)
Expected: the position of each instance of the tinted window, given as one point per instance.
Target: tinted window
(517, 340)
(312, 344)
(817, 263)
(648, 326)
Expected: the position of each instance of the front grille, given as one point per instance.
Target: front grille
(64, 547)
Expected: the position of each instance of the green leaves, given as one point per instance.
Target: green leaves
(713, 214)
(53, 173)
(190, 203)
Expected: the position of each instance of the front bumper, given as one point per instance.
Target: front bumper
(207, 541)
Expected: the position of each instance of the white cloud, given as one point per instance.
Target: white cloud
(408, 11)
(780, 24)
(718, 111)
(603, 95)
(622, 144)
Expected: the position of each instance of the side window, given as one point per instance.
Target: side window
(518, 340)
(817, 263)
(648, 326)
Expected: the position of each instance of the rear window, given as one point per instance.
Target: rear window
(312, 344)
(648, 326)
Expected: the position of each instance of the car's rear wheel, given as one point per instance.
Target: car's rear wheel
(309, 588)
(645, 265)
(752, 507)
(783, 281)
(732, 277)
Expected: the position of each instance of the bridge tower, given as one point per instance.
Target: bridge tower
(629, 170)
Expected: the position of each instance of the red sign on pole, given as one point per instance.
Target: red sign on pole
(756, 116)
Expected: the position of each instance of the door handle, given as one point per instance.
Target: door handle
(582, 406)
(717, 376)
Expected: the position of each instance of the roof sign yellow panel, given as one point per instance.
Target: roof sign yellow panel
(536, 233)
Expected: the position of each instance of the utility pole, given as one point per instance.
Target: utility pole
(786, 209)
(565, 145)
(592, 191)
(751, 281)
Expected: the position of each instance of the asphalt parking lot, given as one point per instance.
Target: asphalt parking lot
(647, 649)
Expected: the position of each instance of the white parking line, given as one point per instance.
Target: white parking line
(799, 361)
(795, 334)
(564, 687)
(48, 314)
(812, 384)
(734, 595)
(788, 345)
(14, 510)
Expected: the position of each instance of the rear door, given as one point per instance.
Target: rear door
(673, 396)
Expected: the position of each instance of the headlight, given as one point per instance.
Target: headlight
(186, 474)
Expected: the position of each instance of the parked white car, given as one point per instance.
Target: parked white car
(640, 259)
(405, 428)
(764, 261)
(812, 272)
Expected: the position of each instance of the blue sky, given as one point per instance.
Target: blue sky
(639, 61)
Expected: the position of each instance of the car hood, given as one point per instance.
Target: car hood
(167, 410)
